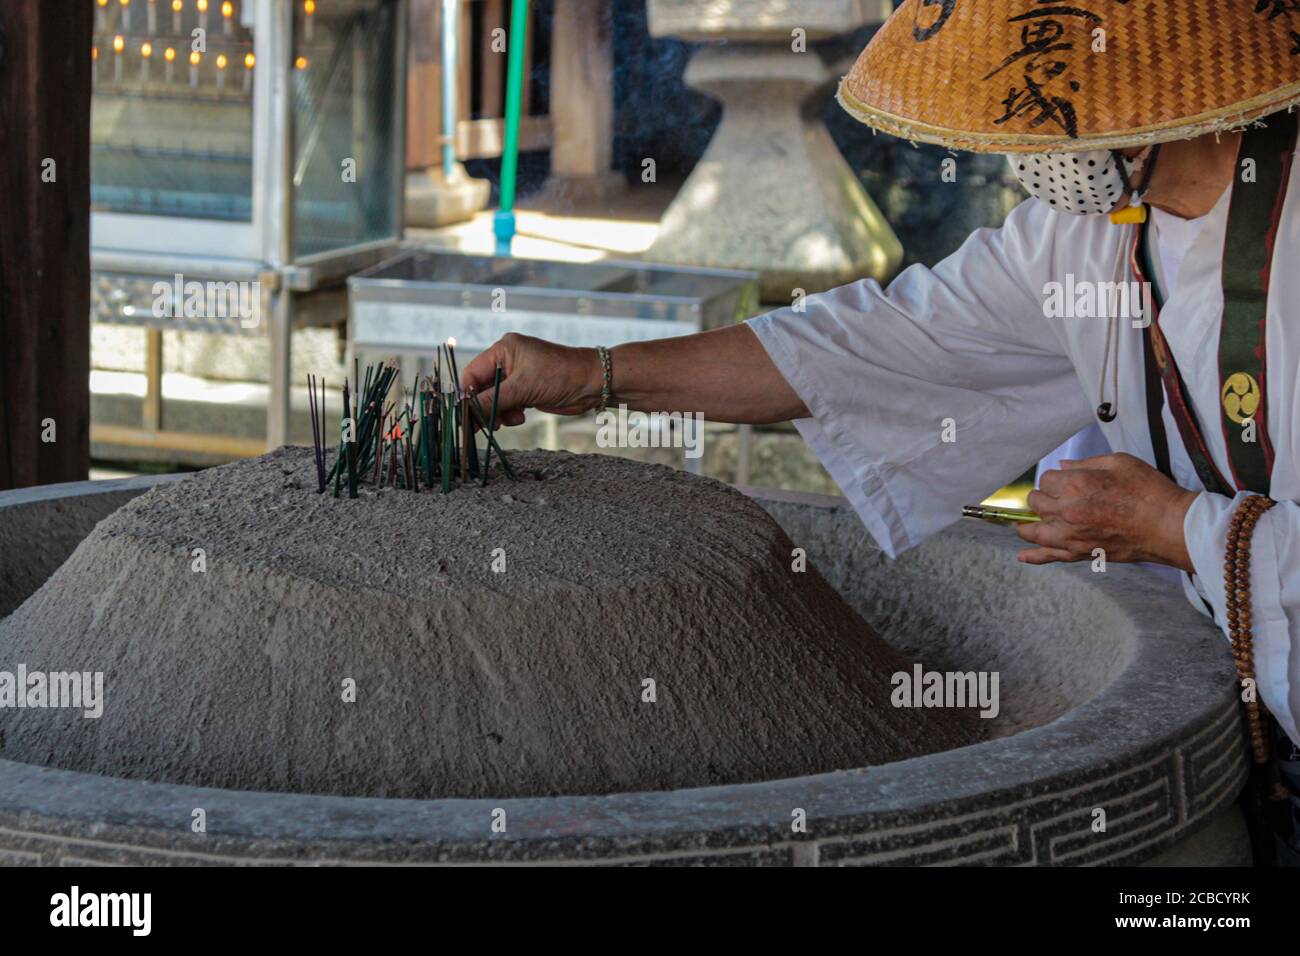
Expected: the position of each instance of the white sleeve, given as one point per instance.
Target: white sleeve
(964, 345)
(1274, 588)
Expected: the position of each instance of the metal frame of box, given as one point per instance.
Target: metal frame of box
(559, 308)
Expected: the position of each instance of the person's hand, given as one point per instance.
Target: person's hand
(534, 374)
(1114, 502)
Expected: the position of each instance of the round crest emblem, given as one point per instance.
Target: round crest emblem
(1241, 396)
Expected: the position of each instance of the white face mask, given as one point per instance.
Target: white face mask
(1089, 183)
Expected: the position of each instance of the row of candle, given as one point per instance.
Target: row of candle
(178, 8)
(146, 51)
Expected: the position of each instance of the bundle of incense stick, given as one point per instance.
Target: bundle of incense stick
(426, 435)
(368, 414)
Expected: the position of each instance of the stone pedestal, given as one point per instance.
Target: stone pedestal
(433, 199)
(772, 192)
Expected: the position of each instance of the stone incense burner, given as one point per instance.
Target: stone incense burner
(1117, 703)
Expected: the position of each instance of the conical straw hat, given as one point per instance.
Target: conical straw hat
(1063, 75)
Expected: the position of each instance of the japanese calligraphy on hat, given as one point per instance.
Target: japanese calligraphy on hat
(1060, 75)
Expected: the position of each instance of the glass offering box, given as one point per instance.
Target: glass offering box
(255, 147)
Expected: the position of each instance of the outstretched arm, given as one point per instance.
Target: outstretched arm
(725, 374)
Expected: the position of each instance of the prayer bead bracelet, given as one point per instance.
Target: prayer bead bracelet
(1236, 587)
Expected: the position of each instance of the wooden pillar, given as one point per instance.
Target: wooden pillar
(424, 86)
(582, 94)
(44, 241)
(152, 413)
(492, 74)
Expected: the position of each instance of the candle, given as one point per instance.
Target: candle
(169, 56)
(221, 70)
(302, 63)
(101, 15)
(249, 62)
(126, 15)
(203, 13)
(94, 62)
(146, 53)
(227, 12)
(153, 17)
(119, 44)
(195, 59)
(177, 7)
(309, 8)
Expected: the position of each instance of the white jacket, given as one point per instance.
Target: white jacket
(883, 370)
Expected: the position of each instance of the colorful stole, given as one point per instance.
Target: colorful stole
(1243, 360)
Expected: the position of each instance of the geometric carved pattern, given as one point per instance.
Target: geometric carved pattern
(1148, 807)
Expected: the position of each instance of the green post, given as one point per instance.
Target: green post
(504, 221)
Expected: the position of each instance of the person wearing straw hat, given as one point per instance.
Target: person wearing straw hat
(1147, 287)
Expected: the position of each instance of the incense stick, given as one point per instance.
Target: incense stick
(317, 432)
(428, 434)
(492, 424)
(448, 430)
(455, 372)
(349, 435)
(468, 466)
(492, 439)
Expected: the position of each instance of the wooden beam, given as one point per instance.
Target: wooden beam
(44, 241)
(485, 138)
(224, 445)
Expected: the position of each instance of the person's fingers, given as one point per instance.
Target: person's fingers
(479, 374)
(535, 374)
(1050, 483)
(510, 403)
(1068, 463)
(1045, 556)
(1045, 534)
(1043, 504)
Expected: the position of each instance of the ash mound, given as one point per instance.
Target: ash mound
(600, 625)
